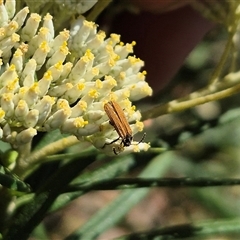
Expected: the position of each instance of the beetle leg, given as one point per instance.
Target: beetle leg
(111, 142)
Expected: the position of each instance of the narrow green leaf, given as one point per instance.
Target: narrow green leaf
(40, 232)
(11, 181)
(110, 215)
(4, 146)
(32, 213)
(131, 183)
(110, 170)
(190, 231)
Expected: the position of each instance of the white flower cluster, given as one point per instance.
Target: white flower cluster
(62, 82)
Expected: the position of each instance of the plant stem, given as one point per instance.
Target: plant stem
(181, 105)
(97, 9)
(35, 157)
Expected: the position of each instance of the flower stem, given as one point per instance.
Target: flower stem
(97, 9)
(35, 157)
(179, 105)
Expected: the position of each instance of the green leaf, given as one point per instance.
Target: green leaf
(11, 181)
(30, 214)
(190, 231)
(132, 183)
(110, 170)
(110, 215)
(40, 232)
(4, 146)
